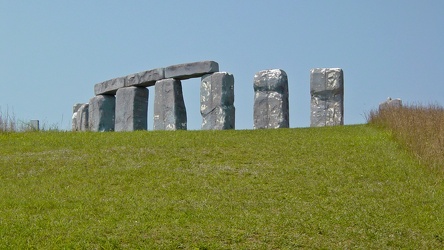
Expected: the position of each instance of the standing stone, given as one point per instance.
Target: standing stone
(102, 110)
(83, 117)
(217, 101)
(75, 108)
(327, 97)
(271, 99)
(391, 103)
(169, 108)
(131, 109)
(34, 125)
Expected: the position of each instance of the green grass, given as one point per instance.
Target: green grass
(328, 188)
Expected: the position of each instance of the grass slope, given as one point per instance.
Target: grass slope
(338, 187)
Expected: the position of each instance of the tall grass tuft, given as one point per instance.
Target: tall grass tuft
(419, 128)
(8, 122)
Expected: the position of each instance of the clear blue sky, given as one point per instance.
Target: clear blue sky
(53, 52)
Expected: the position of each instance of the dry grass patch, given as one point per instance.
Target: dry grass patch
(419, 128)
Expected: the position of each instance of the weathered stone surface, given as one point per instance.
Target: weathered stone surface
(327, 97)
(145, 78)
(82, 118)
(109, 87)
(391, 103)
(141, 79)
(271, 108)
(75, 108)
(131, 109)
(169, 108)
(217, 101)
(102, 109)
(149, 77)
(190, 70)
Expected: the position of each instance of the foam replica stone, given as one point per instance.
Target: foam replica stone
(191, 70)
(145, 78)
(217, 101)
(109, 87)
(102, 109)
(75, 108)
(391, 103)
(142, 79)
(271, 99)
(131, 109)
(83, 117)
(169, 108)
(327, 97)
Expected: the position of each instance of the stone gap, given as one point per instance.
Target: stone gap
(191, 96)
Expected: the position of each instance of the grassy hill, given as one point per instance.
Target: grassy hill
(337, 187)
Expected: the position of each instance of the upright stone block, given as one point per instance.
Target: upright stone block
(391, 103)
(102, 110)
(271, 108)
(190, 70)
(169, 108)
(83, 118)
(34, 125)
(131, 109)
(327, 97)
(75, 108)
(217, 101)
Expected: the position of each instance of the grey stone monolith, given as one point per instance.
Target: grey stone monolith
(75, 108)
(34, 125)
(327, 97)
(190, 70)
(83, 117)
(391, 103)
(169, 108)
(131, 109)
(271, 108)
(102, 110)
(217, 101)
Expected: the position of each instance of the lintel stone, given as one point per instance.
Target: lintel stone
(149, 77)
(191, 70)
(109, 87)
(145, 78)
(141, 79)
